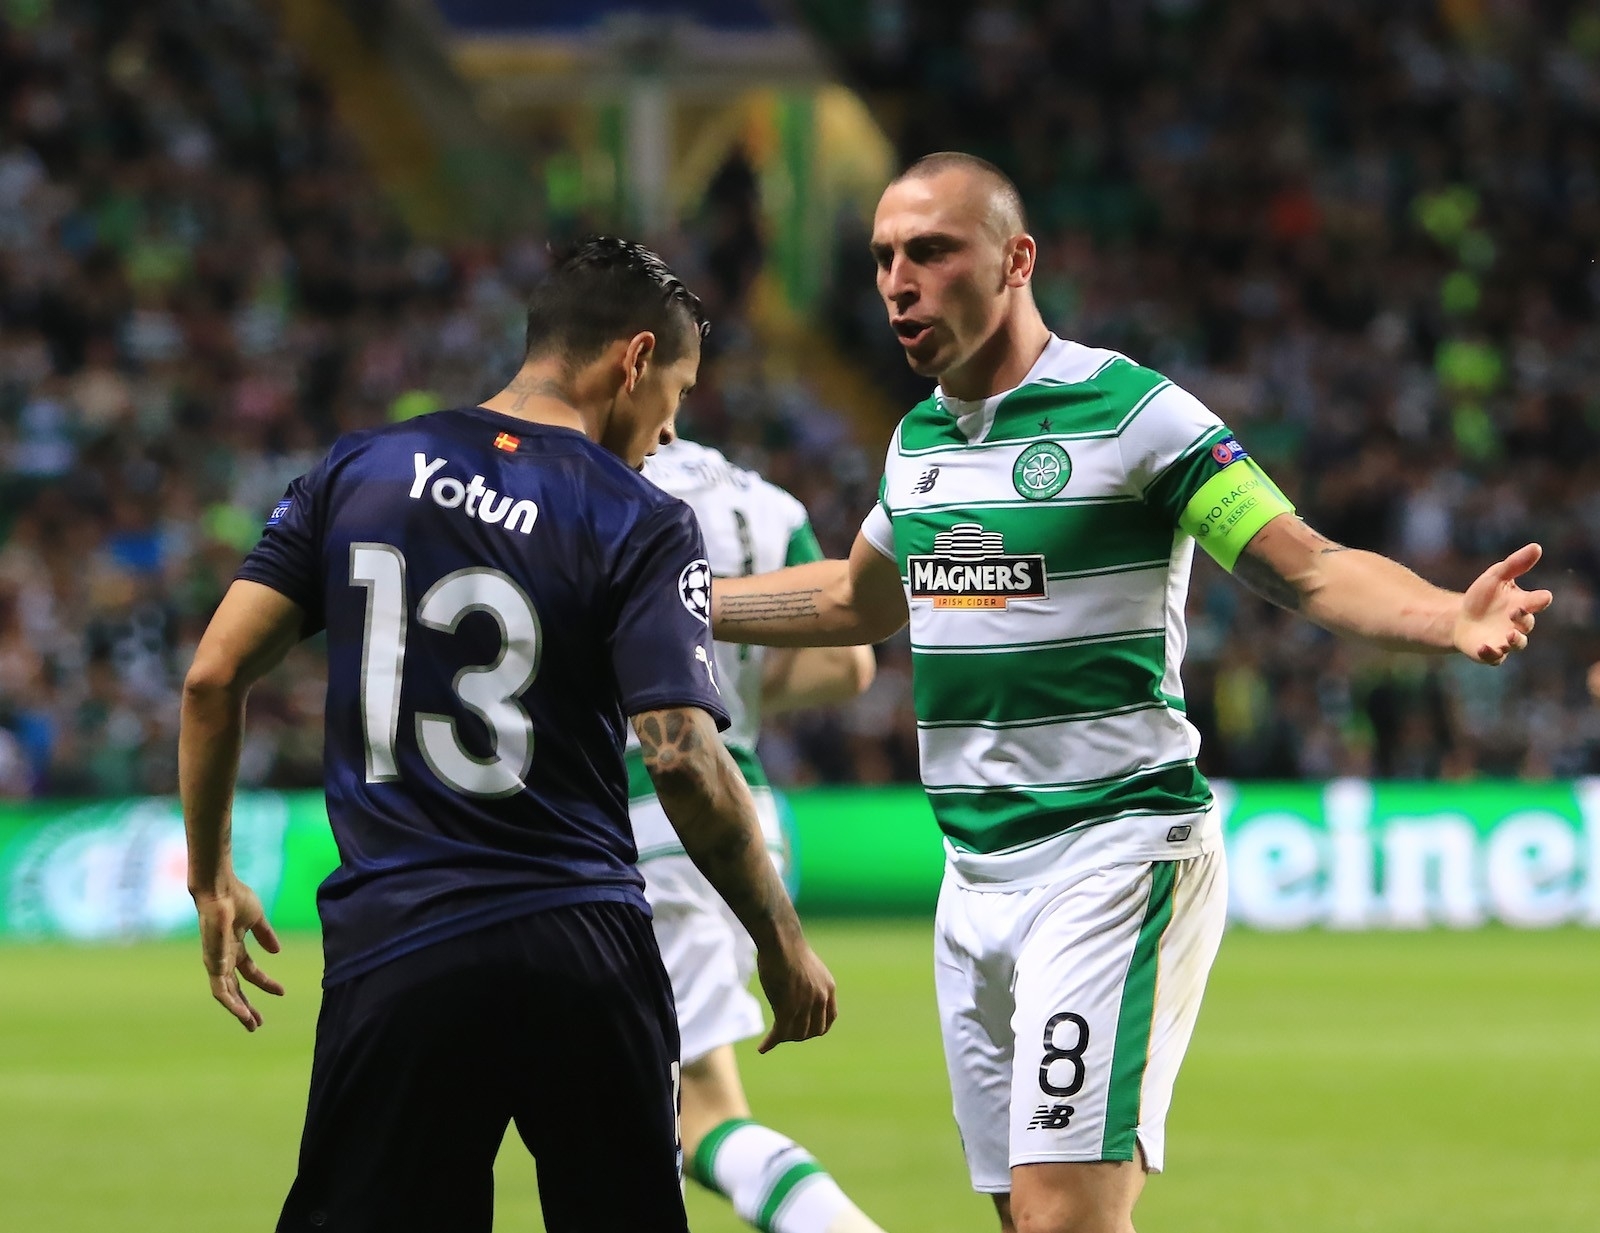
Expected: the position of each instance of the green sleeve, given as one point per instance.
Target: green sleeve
(1218, 494)
(803, 546)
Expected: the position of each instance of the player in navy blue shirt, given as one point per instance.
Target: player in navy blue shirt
(501, 591)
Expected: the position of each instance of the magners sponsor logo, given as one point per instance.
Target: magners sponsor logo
(970, 568)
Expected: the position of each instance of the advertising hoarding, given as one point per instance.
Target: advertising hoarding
(1349, 854)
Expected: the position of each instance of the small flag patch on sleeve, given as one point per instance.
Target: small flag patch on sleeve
(505, 441)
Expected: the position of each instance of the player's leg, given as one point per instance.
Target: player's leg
(594, 1086)
(772, 1182)
(1076, 1197)
(972, 970)
(1188, 952)
(712, 1095)
(1055, 1194)
(406, 1112)
(1108, 988)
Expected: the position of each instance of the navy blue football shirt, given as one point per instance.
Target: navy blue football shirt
(498, 597)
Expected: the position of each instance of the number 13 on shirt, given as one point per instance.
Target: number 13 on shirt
(490, 691)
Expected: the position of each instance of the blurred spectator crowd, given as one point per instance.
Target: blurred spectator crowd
(1363, 233)
(199, 288)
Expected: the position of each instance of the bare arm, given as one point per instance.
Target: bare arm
(251, 632)
(824, 603)
(709, 805)
(797, 677)
(1364, 595)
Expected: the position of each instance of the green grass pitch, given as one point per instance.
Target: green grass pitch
(1376, 1083)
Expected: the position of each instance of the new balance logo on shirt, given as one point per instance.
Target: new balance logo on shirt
(1051, 1117)
(926, 481)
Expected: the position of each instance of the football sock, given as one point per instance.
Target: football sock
(773, 1182)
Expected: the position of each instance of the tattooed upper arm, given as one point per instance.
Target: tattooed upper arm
(1262, 577)
(670, 738)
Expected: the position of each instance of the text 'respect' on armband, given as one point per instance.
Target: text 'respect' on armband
(1230, 508)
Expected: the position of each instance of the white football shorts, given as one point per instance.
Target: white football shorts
(708, 955)
(1067, 1008)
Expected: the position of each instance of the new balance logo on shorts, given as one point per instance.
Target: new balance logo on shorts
(1051, 1117)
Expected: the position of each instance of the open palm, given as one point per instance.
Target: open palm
(1497, 615)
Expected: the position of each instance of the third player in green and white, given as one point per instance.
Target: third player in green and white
(750, 526)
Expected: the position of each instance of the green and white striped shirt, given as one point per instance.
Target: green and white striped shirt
(1045, 537)
(750, 526)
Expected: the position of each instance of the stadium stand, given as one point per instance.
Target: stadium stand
(1365, 233)
(200, 285)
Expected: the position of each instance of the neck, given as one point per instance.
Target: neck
(543, 392)
(1002, 361)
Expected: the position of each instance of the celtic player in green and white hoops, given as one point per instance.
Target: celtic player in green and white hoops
(749, 526)
(1036, 525)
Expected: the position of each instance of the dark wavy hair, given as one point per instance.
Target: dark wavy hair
(603, 288)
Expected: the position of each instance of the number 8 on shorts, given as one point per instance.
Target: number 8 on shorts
(1067, 1009)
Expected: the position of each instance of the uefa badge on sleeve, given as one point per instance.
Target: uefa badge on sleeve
(694, 589)
(1227, 451)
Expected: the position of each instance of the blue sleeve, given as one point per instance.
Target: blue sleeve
(288, 557)
(661, 639)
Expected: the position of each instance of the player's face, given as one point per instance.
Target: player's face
(942, 270)
(647, 408)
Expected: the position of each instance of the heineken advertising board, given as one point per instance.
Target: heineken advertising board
(1344, 855)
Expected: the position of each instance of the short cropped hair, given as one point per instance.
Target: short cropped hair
(603, 288)
(955, 160)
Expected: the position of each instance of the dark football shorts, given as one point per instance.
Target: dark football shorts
(560, 1022)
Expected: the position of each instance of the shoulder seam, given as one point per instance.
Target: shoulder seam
(1115, 356)
(1188, 452)
(1159, 387)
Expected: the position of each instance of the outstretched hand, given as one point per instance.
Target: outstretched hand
(1497, 615)
(225, 918)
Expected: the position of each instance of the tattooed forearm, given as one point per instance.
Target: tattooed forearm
(735, 862)
(1326, 546)
(775, 606)
(709, 806)
(1266, 582)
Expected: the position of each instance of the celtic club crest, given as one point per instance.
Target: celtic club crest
(1041, 471)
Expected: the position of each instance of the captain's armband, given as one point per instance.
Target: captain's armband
(1230, 508)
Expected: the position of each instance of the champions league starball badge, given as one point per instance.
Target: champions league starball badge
(694, 589)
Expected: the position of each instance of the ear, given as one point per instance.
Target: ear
(636, 359)
(1020, 258)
